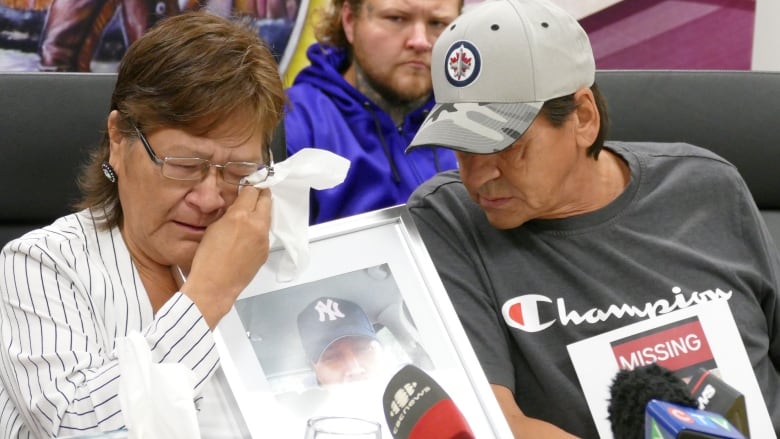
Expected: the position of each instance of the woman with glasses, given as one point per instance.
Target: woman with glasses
(164, 199)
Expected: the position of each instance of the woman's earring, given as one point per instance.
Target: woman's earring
(109, 172)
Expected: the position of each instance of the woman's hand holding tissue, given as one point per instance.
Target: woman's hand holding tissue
(293, 178)
(242, 237)
(231, 252)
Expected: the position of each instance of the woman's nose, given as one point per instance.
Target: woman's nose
(208, 194)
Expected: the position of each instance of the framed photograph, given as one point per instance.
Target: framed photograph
(328, 342)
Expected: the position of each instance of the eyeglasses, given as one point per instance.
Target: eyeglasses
(196, 169)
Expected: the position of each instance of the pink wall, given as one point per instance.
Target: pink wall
(673, 34)
(694, 34)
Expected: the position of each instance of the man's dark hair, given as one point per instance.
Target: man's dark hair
(558, 110)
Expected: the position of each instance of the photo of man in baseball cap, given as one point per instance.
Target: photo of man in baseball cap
(340, 341)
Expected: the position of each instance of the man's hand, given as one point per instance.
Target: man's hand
(521, 425)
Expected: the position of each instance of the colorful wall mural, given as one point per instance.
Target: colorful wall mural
(92, 35)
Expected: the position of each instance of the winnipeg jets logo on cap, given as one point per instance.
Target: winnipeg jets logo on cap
(462, 64)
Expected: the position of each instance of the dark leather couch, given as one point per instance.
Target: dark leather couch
(736, 114)
(47, 120)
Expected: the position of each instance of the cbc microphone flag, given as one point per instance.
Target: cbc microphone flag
(701, 336)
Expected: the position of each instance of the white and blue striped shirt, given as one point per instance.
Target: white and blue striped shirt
(68, 292)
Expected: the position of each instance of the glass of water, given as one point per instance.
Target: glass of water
(338, 427)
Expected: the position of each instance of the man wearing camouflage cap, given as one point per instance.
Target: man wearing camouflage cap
(547, 235)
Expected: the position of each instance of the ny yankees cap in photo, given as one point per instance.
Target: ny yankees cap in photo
(328, 319)
(493, 68)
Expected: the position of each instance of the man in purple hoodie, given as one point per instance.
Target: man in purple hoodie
(364, 96)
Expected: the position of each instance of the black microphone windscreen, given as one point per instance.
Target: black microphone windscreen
(630, 392)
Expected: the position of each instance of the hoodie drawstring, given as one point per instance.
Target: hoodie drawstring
(393, 168)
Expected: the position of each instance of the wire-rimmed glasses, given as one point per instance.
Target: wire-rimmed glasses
(196, 168)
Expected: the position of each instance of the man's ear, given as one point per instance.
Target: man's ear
(588, 119)
(348, 18)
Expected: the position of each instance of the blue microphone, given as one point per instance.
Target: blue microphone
(665, 420)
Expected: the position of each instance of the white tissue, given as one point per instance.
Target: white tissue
(157, 399)
(307, 169)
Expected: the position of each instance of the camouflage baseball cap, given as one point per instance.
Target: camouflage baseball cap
(495, 66)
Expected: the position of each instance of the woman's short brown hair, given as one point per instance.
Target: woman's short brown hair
(192, 71)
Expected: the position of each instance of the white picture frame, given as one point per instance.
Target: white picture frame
(377, 260)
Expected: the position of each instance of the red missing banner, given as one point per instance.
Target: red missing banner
(680, 347)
